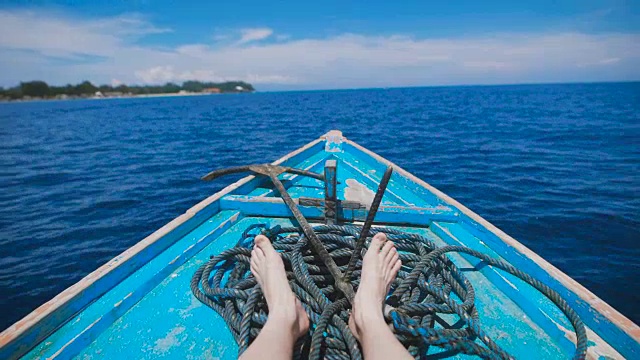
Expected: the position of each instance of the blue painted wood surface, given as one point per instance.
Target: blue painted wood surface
(330, 192)
(145, 309)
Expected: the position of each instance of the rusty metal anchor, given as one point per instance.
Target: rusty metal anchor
(262, 169)
(342, 282)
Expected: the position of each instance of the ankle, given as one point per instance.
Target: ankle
(370, 328)
(368, 308)
(283, 316)
(367, 317)
(288, 322)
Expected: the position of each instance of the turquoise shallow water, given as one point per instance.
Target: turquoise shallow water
(555, 166)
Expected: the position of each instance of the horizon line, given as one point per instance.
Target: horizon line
(454, 85)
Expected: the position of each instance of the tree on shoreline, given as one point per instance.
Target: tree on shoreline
(40, 89)
(34, 88)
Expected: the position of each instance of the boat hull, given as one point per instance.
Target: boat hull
(139, 305)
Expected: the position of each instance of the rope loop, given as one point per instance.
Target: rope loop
(429, 288)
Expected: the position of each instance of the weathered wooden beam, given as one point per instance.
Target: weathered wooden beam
(314, 209)
(330, 191)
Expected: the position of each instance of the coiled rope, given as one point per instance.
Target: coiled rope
(427, 286)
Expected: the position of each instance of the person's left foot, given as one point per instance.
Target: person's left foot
(268, 268)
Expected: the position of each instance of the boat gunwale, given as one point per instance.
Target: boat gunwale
(609, 312)
(31, 320)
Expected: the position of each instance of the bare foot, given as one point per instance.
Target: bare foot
(379, 268)
(268, 268)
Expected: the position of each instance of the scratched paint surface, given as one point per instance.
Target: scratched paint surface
(502, 318)
(170, 322)
(105, 310)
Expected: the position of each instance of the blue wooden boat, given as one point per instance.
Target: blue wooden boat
(141, 303)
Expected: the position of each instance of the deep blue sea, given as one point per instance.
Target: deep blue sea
(555, 166)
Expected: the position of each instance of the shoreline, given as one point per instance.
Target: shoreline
(117, 97)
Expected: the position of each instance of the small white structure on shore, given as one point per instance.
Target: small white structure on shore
(239, 88)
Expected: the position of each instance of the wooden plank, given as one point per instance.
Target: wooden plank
(617, 330)
(396, 215)
(330, 189)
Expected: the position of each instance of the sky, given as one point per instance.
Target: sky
(281, 45)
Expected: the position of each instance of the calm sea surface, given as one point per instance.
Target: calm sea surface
(555, 166)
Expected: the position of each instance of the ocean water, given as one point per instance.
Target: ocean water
(555, 166)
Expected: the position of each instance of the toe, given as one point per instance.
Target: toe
(390, 276)
(257, 255)
(390, 259)
(263, 243)
(388, 267)
(386, 249)
(388, 255)
(260, 240)
(378, 240)
(255, 272)
(396, 267)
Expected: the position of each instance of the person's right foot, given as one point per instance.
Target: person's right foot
(380, 266)
(268, 269)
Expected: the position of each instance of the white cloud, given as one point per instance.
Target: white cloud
(59, 49)
(600, 62)
(283, 37)
(487, 65)
(221, 37)
(609, 61)
(249, 35)
(59, 36)
(163, 74)
(156, 74)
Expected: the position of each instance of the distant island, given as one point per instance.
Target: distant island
(40, 90)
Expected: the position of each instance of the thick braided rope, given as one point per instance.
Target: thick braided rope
(424, 289)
